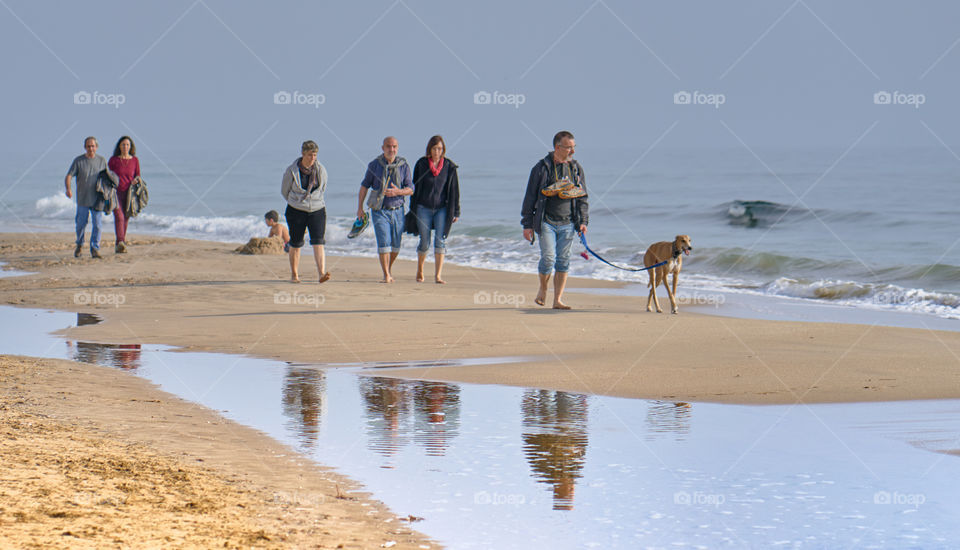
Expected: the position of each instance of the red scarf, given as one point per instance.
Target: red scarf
(435, 168)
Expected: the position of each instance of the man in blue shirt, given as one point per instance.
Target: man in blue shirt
(388, 180)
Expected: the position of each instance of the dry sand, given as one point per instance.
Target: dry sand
(93, 457)
(202, 296)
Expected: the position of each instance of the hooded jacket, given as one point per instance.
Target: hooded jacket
(531, 214)
(306, 200)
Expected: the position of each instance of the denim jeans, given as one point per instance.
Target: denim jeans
(388, 228)
(81, 222)
(435, 219)
(555, 246)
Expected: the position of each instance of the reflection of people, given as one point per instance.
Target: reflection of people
(303, 185)
(125, 164)
(437, 410)
(387, 408)
(388, 180)
(435, 203)
(555, 208)
(668, 418)
(303, 391)
(86, 168)
(124, 356)
(555, 440)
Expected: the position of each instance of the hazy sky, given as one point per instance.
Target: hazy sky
(204, 73)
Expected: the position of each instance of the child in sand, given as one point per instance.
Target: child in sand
(272, 219)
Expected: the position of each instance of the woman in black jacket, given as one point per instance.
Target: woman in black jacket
(435, 204)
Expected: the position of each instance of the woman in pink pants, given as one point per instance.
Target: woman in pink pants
(125, 164)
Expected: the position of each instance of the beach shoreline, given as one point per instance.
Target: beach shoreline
(174, 290)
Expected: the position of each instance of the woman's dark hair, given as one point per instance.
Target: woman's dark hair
(133, 148)
(272, 215)
(435, 140)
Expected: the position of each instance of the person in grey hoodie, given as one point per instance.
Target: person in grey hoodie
(303, 185)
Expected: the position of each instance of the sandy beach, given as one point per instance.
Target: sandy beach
(202, 296)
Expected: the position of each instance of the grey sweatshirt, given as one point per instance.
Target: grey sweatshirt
(296, 196)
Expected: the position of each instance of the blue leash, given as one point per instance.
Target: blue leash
(583, 239)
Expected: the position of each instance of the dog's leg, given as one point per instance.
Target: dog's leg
(666, 285)
(653, 289)
(673, 295)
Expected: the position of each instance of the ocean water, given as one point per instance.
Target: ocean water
(868, 228)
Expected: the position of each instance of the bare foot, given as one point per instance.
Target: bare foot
(419, 276)
(561, 305)
(325, 278)
(541, 298)
(295, 279)
(440, 281)
(387, 280)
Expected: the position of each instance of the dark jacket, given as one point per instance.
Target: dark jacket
(106, 190)
(453, 194)
(137, 198)
(531, 214)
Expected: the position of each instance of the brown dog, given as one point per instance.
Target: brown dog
(672, 253)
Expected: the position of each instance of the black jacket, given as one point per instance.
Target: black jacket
(453, 195)
(533, 200)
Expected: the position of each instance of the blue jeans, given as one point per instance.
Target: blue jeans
(81, 222)
(555, 246)
(435, 219)
(388, 228)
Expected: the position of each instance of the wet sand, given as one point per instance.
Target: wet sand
(202, 296)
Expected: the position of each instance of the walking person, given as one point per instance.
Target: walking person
(555, 208)
(125, 164)
(86, 168)
(435, 203)
(388, 180)
(303, 185)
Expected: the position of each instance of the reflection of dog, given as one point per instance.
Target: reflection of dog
(670, 252)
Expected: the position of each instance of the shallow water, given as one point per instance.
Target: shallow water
(503, 467)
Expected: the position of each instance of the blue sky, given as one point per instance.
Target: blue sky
(197, 74)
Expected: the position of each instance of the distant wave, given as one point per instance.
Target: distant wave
(721, 269)
(876, 296)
